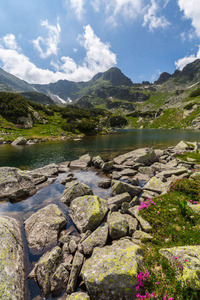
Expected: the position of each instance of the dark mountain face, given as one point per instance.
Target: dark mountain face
(13, 83)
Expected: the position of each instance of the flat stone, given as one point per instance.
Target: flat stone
(146, 156)
(141, 235)
(78, 296)
(155, 185)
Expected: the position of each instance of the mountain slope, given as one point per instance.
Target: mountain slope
(13, 83)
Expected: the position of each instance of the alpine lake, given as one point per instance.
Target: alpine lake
(39, 155)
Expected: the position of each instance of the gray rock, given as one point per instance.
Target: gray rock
(76, 268)
(45, 268)
(19, 141)
(107, 166)
(16, 184)
(132, 223)
(128, 172)
(42, 228)
(121, 187)
(67, 179)
(149, 194)
(87, 212)
(171, 172)
(97, 239)
(142, 236)
(12, 273)
(98, 162)
(134, 212)
(155, 185)
(119, 199)
(149, 171)
(73, 190)
(59, 280)
(72, 246)
(145, 156)
(111, 272)
(105, 183)
(117, 225)
(124, 208)
(48, 170)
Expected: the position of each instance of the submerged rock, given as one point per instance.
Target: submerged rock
(12, 273)
(87, 212)
(111, 272)
(73, 190)
(42, 228)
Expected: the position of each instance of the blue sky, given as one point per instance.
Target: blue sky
(42, 41)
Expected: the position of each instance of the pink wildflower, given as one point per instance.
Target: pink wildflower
(175, 257)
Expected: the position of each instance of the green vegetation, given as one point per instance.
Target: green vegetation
(174, 224)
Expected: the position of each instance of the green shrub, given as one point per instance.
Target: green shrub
(117, 121)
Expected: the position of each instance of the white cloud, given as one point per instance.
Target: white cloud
(151, 18)
(191, 10)
(182, 62)
(98, 58)
(10, 42)
(48, 46)
(78, 7)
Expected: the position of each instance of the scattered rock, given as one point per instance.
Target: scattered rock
(78, 296)
(145, 156)
(59, 280)
(105, 183)
(119, 199)
(141, 235)
(98, 162)
(134, 212)
(155, 185)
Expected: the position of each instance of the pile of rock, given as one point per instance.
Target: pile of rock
(104, 256)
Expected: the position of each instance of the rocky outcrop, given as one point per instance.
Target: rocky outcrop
(12, 273)
(87, 212)
(43, 227)
(111, 272)
(73, 190)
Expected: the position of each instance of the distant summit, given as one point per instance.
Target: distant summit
(190, 73)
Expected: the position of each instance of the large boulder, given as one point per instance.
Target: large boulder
(75, 189)
(16, 184)
(44, 270)
(42, 228)
(120, 187)
(12, 274)
(48, 170)
(87, 212)
(111, 272)
(145, 156)
(186, 261)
